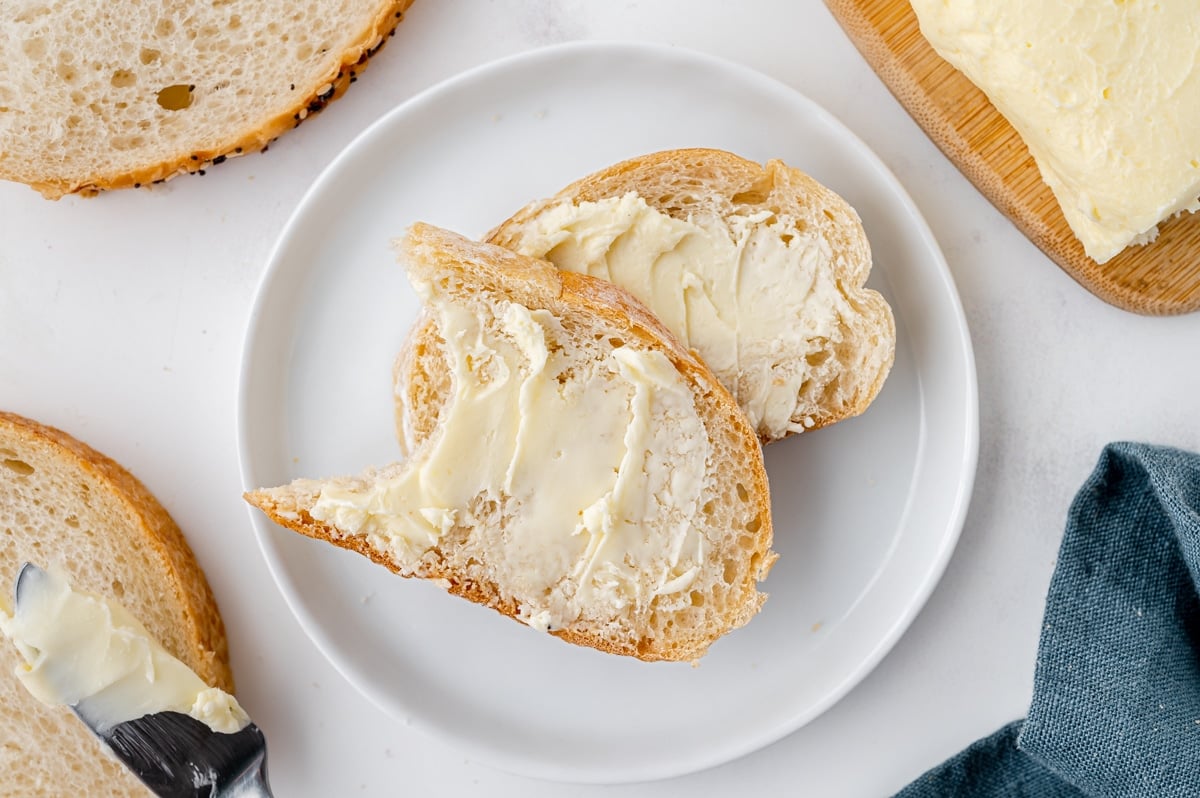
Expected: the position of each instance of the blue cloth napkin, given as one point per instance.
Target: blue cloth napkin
(1116, 695)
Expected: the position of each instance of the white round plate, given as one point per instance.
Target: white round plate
(866, 512)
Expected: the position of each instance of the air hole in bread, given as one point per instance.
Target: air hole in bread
(304, 51)
(164, 27)
(127, 142)
(235, 22)
(67, 72)
(32, 13)
(832, 390)
(829, 214)
(709, 508)
(18, 467)
(34, 48)
(616, 343)
(697, 598)
(148, 55)
(786, 238)
(118, 589)
(742, 493)
(754, 525)
(730, 572)
(72, 521)
(175, 98)
(817, 358)
(123, 79)
(752, 197)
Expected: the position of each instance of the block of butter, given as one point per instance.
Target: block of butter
(1105, 93)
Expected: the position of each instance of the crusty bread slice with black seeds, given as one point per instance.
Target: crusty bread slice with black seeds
(65, 505)
(102, 95)
(805, 344)
(686, 545)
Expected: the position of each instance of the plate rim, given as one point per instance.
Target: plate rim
(737, 748)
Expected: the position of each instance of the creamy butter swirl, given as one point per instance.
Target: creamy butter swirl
(89, 652)
(597, 463)
(745, 294)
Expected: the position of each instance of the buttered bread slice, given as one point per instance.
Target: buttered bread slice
(585, 475)
(759, 270)
(69, 508)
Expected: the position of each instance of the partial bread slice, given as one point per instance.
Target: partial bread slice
(115, 95)
(65, 505)
(784, 321)
(701, 469)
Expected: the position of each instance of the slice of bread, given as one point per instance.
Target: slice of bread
(64, 504)
(115, 95)
(590, 391)
(759, 270)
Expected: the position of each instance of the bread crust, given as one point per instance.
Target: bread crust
(311, 100)
(537, 284)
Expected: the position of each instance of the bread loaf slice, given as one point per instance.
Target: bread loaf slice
(66, 505)
(114, 95)
(759, 270)
(587, 475)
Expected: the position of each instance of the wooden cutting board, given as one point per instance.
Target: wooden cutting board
(1159, 279)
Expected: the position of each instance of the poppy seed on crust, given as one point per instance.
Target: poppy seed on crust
(208, 130)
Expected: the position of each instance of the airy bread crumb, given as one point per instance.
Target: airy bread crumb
(99, 96)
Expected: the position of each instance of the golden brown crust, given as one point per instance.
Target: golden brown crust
(206, 632)
(313, 99)
(537, 284)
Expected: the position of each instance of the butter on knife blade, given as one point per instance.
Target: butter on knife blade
(88, 652)
(180, 737)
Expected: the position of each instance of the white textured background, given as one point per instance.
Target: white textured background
(121, 320)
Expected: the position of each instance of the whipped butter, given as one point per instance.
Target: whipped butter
(743, 293)
(1105, 94)
(597, 463)
(88, 652)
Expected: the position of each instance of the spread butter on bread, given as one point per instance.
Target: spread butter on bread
(586, 475)
(66, 506)
(759, 270)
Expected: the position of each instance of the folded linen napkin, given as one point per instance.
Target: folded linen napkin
(1116, 695)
